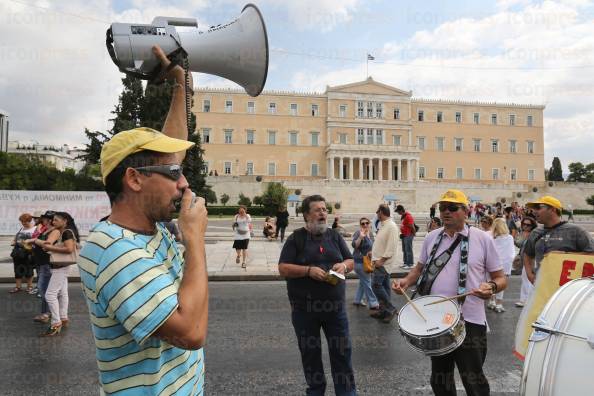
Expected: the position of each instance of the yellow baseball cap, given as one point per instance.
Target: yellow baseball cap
(133, 141)
(455, 196)
(547, 200)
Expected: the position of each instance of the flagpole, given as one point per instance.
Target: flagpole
(367, 67)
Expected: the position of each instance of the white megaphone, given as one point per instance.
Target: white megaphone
(237, 51)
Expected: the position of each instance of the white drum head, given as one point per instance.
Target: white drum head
(440, 317)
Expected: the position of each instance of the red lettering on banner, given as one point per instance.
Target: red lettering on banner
(566, 267)
(588, 270)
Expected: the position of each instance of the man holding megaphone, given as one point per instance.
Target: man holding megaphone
(149, 322)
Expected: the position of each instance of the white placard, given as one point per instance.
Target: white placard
(86, 207)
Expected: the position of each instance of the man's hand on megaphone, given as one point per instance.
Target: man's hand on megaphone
(177, 72)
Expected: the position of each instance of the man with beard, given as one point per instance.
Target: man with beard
(307, 257)
(556, 235)
(148, 321)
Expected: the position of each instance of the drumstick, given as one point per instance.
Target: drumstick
(413, 304)
(450, 298)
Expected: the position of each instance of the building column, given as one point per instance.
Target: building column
(380, 165)
(370, 168)
(399, 169)
(408, 170)
(360, 168)
(390, 166)
(331, 168)
(416, 177)
(340, 168)
(410, 142)
(351, 159)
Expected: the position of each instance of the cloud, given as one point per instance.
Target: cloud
(318, 15)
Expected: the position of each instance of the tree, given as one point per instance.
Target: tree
(555, 172)
(274, 197)
(257, 200)
(590, 200)
(127, 111)
(224, 199)
(93, 148)
(243, 200)
(210, 196)
(578, 172)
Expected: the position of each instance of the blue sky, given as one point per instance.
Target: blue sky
(56, 78)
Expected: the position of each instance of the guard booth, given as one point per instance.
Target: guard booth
(293, 202)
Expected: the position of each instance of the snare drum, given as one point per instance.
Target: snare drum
(560, 352)
(443, 332)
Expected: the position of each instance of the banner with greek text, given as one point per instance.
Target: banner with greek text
(86, 207)
(556, 269)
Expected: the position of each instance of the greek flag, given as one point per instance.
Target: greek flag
(370, 57)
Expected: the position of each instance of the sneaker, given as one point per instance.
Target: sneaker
(491, 305)
(389, 316)
(33, 291)
(499, 308)
(360, 304)
(519, 304)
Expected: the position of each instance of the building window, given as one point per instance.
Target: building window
(272, 108)
(396, 113)
(379, 110)
(379, 136)
(293, 109)
(250, 136)
(360, 136)
(342, 111)
(513, 174)
(206, 135)
(530, 147)
(476, 118)
(293, 138)
(369, 109)
(439, 116)
(495, 145)
(342, 138)
(271, 137)
(271, 169)
(360, 109)
(512, 119)
(370, 136)
(439, 143)
(315, 137)
(477, 173)
(293, 169)
(458, 117)
(420, 115)
(459, 173)
(530, 174)
(512, 146)
(494, 119)
(315, 110)
(495, 173)
(227, 169)
(440, 173)
(396, 139)
(529, 121)
(477, 144)
(421, 172)
(251, 107)
(228, 136)
(421, 142)
(458, 144)
(249, 168)
(206, 106)
(228, 106)
(314, 169)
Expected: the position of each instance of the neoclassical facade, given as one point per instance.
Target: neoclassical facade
(368, 131)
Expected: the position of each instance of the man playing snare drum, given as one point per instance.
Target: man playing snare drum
(456, 259)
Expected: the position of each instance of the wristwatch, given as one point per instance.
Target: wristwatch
(493, 286)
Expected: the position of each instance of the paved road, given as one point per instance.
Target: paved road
(251, 347)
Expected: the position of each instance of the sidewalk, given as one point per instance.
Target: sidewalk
(261, 264)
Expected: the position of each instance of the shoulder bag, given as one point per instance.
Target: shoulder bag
(64, 259)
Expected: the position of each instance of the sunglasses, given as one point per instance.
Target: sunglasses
(526, 224)
(171, 171)
(449, 207)
(365, 223)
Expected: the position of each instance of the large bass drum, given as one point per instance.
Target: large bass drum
(560, 356)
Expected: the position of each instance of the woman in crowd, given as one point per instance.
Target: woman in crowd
(434, 224)
(504, 243)
(341, 230)
(362, 243)
(62, 239)
(21, 254)
(282, 222)
(527, 225)
(242, 228)
(269, 229)
(42, 262)
(487, 224)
